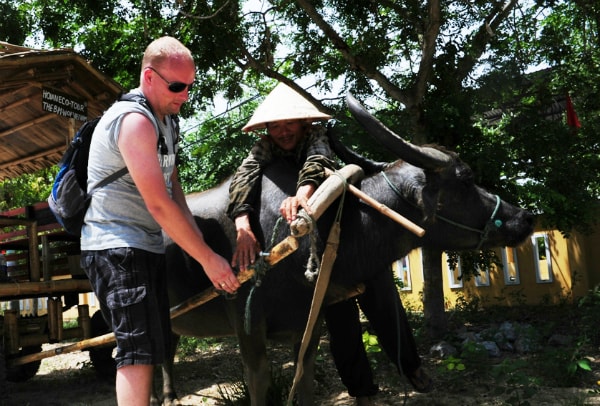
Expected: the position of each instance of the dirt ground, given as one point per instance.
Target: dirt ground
(69, 379)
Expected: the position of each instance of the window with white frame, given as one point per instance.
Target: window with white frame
(510, 266)
(483, 278)
(402, 270)
(542, 258)
(455, 276)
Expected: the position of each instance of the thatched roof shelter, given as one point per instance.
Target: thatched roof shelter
(45, 96)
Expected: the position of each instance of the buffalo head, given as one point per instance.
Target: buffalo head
(436, 189)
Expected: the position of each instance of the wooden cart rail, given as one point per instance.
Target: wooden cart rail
(38, 250)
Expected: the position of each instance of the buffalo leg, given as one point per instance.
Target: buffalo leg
(168, 388)
(253, 349)
(305, 389)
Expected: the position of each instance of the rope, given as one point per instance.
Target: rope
(313, 263)
(260, 267)
(488, 225)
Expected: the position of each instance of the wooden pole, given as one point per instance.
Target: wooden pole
(205, 296)
(277, 253)
(23, 289)
(108, 338)
(383, 209)
(325, 195)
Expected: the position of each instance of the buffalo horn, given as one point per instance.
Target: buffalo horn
(422, 157)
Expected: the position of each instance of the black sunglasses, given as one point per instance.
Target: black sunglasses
(175, 87)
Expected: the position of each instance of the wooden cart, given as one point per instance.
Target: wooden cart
(43, 281)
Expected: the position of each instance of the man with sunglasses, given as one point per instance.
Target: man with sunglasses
(122, 241)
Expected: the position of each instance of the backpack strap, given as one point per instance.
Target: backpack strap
(160, 144)
(110, 178)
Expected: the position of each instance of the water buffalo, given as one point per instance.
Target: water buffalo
(430, 186)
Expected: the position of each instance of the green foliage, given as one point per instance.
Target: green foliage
(475, 356)
(238, 394)
(472, 262)
(518, 379)
(26, 189)
(518, 297)
(592, 299)
(16, 24)
(472, 364)
(370, 342)
(215, 148)
(189, 346)
(470, 306)
(70, 324)
(486, 79)
(454, 364)
(589, 306)
(520, 385)
(240, 47)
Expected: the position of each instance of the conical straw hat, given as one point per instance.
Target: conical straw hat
(283, 103)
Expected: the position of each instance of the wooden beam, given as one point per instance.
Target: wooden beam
(28, 124)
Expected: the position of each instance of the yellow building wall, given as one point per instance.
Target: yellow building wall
(575, 269)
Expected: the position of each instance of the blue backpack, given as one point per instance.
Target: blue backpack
(69, 200)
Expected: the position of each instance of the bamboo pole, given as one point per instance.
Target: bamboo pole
(383, 209)
(23, 289)
(108, 338)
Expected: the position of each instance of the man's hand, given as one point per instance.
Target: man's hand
(220, 273)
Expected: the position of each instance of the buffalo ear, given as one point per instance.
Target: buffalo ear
(430, 197)
(348, 156)
(464, 173)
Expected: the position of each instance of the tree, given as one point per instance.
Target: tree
(429, 70)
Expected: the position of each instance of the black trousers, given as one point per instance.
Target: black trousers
(383, 308)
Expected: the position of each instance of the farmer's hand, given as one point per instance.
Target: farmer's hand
(289, 207)
(247, 247)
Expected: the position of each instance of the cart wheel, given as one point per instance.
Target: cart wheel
(101, 356)
(22, 373)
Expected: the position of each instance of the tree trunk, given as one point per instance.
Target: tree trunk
(436, 324)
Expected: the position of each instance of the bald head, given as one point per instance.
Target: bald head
(165, 50)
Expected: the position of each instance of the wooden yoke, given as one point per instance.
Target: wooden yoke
(326, 194)
(332, 188)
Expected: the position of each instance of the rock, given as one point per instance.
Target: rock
(560, 340)
(442, 349)
(492, 348)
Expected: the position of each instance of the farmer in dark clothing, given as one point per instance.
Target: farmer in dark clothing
(288, 118)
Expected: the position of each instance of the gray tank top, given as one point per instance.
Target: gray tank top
(117, 216)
